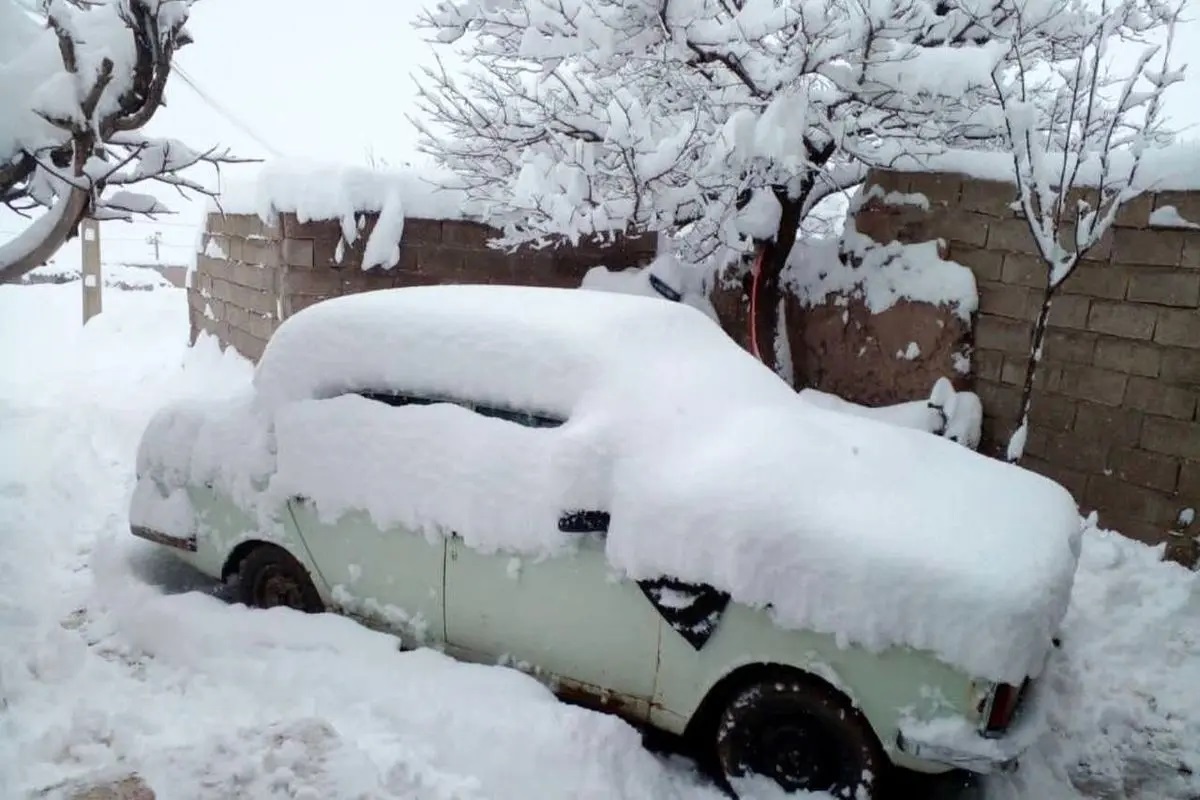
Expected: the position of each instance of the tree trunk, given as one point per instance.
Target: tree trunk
(34, 246)
(1016, 443)
(774, 256)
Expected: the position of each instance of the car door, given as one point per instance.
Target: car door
(566, 618)
(387, 577)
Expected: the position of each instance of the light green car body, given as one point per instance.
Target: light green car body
(591, 636)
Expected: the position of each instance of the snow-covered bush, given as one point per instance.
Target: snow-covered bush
(74, 98)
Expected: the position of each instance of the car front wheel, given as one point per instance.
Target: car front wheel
(801, 736)
(269, 576)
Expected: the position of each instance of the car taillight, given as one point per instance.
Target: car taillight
(1002, 708)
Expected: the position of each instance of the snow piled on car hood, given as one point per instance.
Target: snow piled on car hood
(711, 467)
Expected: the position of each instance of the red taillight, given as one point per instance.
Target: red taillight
(1003, 707)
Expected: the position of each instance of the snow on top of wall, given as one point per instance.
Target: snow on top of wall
(816, 514)
(319, 191)
(884, 274)
(1172, 168)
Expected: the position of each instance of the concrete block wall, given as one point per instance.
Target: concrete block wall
(234, 293)
(1116, 410)
(251, 276)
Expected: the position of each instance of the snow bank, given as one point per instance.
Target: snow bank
(1122, 704)
(880, 274)
(1172, 168)
(118, 276)
(711, 467)
(317, 191)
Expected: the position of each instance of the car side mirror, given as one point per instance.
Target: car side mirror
(584, 522)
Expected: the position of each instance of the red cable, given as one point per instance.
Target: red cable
(755, 271)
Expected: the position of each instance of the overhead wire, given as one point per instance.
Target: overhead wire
(223, 110)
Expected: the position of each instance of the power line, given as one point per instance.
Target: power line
(165, 243)
(229, 116)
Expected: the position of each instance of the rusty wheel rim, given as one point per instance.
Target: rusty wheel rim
(275, 588)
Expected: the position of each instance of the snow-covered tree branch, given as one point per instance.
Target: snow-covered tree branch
(719, 121)
(75, 97)
(1077, 130)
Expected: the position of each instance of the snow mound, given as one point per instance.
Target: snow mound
(318, 191)
(958, 416)
(1169, 217)
(665, 278)
(117, 276)
(1122, 704)
(711, 467)
(881, 274)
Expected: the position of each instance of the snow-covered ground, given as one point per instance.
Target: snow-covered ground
(113, 661)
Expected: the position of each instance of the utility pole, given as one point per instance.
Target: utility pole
(89, 239)
(155, 240)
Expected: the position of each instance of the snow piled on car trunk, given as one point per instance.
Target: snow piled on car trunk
(101, 675)
(711, 467)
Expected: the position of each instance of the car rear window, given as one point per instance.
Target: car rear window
(528, 419)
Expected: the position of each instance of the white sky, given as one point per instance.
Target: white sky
(332, 85)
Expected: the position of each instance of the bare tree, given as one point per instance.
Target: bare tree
(1078, 132)
(81, 93)
(723, 122)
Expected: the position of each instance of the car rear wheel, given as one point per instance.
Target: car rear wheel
(802, 736)
(269, 576)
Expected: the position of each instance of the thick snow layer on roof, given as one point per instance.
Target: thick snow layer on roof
(1172, 168)
(711, 467)
(880, 273)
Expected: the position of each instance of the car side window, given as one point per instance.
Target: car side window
(394, 399)
(525, 418)
(529, 420)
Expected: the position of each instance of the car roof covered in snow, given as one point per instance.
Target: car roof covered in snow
(530, 348)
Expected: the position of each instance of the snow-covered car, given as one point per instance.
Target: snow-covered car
(605, 491)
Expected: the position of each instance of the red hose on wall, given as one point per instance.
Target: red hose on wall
(755, 271)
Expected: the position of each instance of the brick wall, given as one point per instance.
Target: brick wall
(1115, 410)
(250, 276)
(234, 292)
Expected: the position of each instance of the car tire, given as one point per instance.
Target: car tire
(801, 735)
(269, 576)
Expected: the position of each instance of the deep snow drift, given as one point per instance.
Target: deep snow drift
(101, 674)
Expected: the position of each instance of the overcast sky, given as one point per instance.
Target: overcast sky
(331, 85)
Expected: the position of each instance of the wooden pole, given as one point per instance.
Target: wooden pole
(89, 238)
